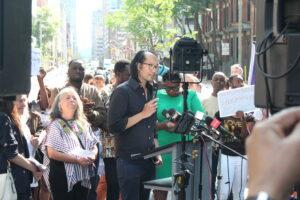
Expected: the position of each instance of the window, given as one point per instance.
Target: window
(231, 11)
(248, 10)
(237, 10)
(225, 17)
(237, 48)
(231, 46)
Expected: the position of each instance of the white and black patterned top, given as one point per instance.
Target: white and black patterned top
(62, 139)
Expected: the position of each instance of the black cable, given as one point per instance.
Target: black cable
(290, 69)
(273, 42)
(269, 102)
(260, 52)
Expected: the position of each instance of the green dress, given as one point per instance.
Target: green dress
(165, 137)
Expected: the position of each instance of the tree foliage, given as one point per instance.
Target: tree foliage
(148, 21)
(191, 9)
(44, 28)
(151, 22)
(187, 9)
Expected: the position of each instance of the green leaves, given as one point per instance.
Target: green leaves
(155, 23)
(44, 28)
(148, 21)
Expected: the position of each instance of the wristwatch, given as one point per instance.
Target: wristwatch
(260, 196)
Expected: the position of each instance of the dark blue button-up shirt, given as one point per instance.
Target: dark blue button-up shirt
(127, 100)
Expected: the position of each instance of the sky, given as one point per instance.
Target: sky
(84, 12)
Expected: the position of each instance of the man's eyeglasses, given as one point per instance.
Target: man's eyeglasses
(151, 66)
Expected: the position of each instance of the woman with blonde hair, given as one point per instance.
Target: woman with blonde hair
(70, 146)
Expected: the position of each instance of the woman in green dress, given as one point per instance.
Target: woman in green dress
(171, 98)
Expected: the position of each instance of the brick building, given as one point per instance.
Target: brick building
(222, 26)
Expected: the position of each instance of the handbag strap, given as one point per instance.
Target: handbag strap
(67, 123)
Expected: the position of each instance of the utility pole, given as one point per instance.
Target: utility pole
(240, 34)
(40, 35)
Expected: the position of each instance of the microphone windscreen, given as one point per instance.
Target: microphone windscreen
(172, 111)
(215, 123)
(154, 90)
(200, 115)
(164, 112)
(208, 120)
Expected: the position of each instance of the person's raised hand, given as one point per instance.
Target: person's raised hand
(42, 74)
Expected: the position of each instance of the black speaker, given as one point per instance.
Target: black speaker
(15, 47)
(277, 69)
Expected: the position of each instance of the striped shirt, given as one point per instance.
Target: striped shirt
(62, 139)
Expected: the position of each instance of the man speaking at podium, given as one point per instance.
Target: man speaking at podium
(132, 118)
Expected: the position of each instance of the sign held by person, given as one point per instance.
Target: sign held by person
(35, 61)
(239, 99)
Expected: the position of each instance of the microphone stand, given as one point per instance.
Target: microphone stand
(182, 178)
(199, 136)
(216, 141)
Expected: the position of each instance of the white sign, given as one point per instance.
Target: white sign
(225, 49)
(35, 61)
(240, 99)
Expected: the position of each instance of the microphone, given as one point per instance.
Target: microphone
(216, 125)
(154, 89)
(175, 116)
(166, 114)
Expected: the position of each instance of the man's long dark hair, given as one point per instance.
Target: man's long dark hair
(138, 58)
(7, 107)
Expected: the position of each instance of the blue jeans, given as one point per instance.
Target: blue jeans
(131, 175)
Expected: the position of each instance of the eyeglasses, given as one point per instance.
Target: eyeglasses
(151, 66)
(174, 88)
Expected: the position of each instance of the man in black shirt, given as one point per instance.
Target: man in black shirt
(122, 73)
(132, 118)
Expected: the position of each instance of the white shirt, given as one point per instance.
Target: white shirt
(211, 105)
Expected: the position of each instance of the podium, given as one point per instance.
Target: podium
(195, 190)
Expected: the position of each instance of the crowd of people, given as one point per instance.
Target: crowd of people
(86, 132)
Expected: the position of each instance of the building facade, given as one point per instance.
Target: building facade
(228, 24)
